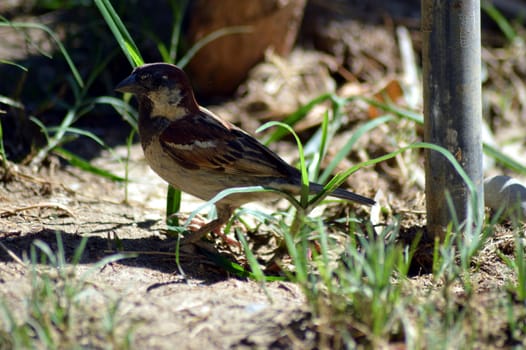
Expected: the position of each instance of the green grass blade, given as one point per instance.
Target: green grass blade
(48, 253)
(61, 255)
(95, 268)
(128, 113)
(346, 149)
(79, 250)
(321, 149)
(85, 165)
(120, 32)
(295, 117)
(227, 192)
(394, 109)
(78, 131)
(10, 102)
(304, 192)
(340, 178)
(57, 139)
(235, 268)
(2, 148)
(165, 54)
(178, 11)
(501, 21)
(173, 205)
(503, 159)
(129, 141)
(14, 64)
(520, 268)
(489, 150)
(251, 258)
(134, 55)
(209, 38)
(56, 39)
(88, 134)
(42, 127)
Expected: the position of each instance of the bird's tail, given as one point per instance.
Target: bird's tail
(344, 194)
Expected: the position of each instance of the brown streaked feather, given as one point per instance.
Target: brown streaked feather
(200, 141)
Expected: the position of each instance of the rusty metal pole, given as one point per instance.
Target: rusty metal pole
(451, 58)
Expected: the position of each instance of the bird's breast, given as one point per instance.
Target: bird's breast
(191, 181)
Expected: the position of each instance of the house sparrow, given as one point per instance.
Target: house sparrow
(199, 153)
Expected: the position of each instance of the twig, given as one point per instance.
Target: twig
(11, 212)
(12, 255)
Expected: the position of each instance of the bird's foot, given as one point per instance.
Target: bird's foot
(198, 228)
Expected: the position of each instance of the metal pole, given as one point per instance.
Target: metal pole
(452, 108)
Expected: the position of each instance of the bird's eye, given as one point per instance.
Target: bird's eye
(164, 77)
(144, 76)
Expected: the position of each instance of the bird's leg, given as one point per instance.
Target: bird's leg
(224, 213)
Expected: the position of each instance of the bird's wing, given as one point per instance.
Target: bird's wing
(201, 141)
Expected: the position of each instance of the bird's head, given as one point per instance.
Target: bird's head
(165, 86)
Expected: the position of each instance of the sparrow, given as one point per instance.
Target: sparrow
(197, 152)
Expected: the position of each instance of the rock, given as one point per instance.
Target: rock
(506, 193)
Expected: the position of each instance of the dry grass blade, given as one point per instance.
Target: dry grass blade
(42, 205)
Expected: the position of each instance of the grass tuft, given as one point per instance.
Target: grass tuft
(62, 309)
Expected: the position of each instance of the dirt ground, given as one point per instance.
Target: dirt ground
(207, 307)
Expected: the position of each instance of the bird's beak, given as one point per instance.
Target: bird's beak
(129, 85)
